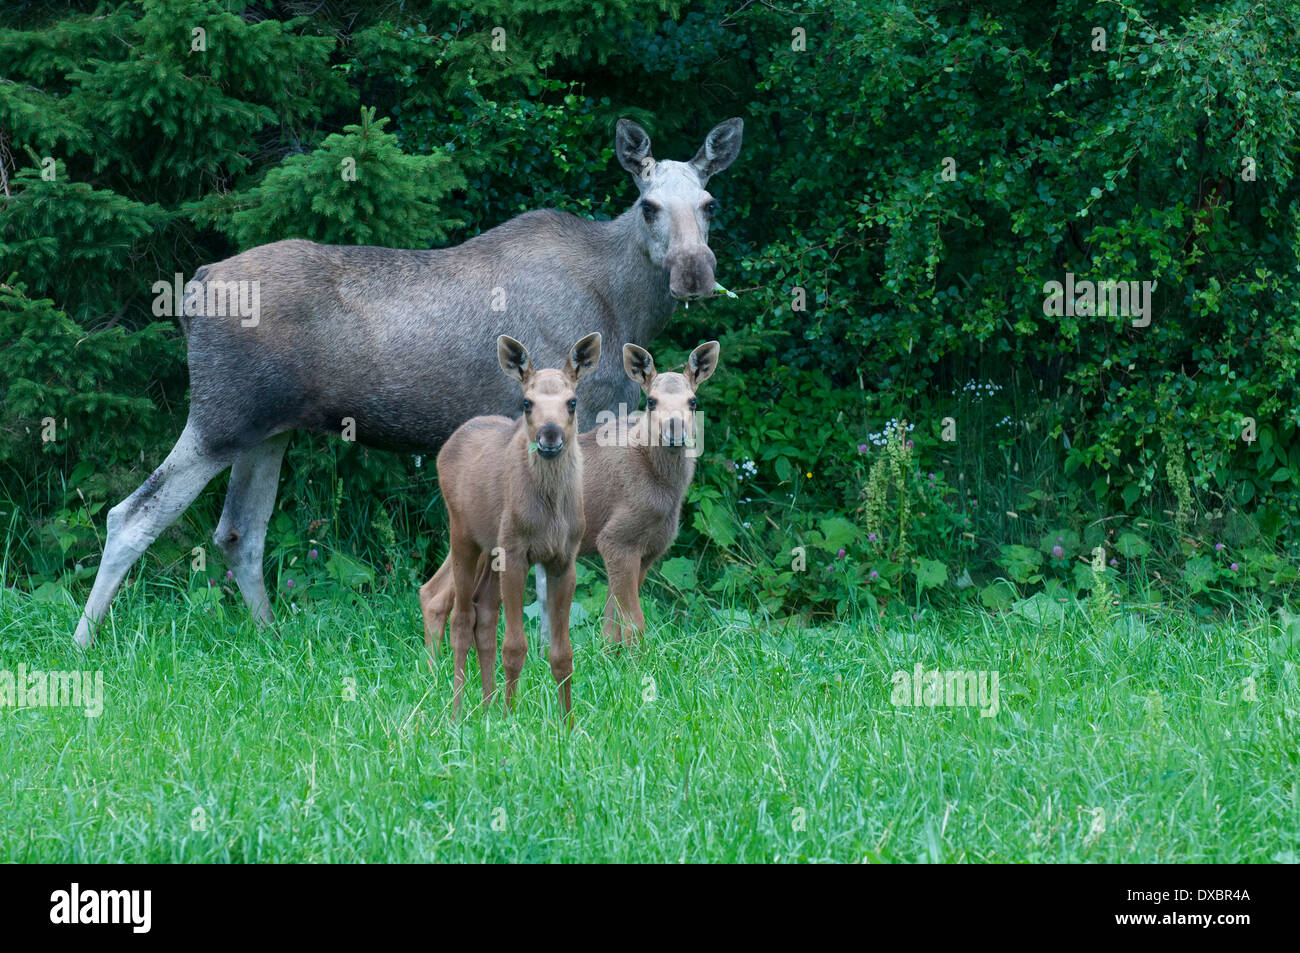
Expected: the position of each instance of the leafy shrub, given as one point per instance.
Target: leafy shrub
(890, 238)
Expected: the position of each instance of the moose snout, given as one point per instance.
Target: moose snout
(690, 274)
(550, 440)
(673, 432)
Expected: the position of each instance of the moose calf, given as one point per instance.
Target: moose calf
(632, 493)
(513, 490)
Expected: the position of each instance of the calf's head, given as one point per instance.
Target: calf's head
(671, 403)
(550, 395)
(675, 209)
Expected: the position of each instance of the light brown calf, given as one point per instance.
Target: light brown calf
(632, 493)
(513, 490)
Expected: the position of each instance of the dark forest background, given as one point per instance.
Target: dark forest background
(897, 425)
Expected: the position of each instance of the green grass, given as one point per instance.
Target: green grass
(747, 730)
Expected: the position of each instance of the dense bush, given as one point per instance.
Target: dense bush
(912, 178)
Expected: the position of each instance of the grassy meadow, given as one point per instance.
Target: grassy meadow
(1148, 737)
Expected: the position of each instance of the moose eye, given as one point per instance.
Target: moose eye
(649, 210)
(528, 406)
(573, 405)
(694, 403)
(651, 403)
(711, 209)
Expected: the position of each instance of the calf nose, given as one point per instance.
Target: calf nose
(550, 439)
(674, 432)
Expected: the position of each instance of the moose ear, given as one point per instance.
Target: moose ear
(514, 359)
(584, 356)
(721, 146)
(632, 146)
(639, 365)
(701, 364)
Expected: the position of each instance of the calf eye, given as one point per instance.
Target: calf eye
(694, 403)
(649, 210)
(573, 405)
(528, 406)
(651, 403)
(711, 209)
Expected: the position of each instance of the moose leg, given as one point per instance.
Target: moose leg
(514, 647)
(622, 571)
(610, 629)
(241, 532)
(543, 620)
(561, 581)
(464, 557)
(437, 596)
(136, 522)
(638, 617)
(487, 609)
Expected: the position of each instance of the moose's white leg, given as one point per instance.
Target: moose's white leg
(544, 620)
(136, 522)
(241, 533)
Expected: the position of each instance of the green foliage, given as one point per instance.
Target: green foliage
(888, 235)
(50, 368)
(75, 242)
(185, 108)
(358, 188)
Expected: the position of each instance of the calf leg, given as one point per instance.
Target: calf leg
(638, 617)
(437, 596)
(514, 646)
(487, 604)
(136, 522)
(622, 608)
(561, 581)
(241, 532)
(464, 557)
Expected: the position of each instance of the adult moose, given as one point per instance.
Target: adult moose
(398, 344)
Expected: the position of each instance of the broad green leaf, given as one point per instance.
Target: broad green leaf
(930, 573)
(998, 595)
(680, 572)
(838, 532)
(1131, 545)
(1040, 609)
(348, 572)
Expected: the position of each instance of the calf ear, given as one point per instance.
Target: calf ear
(639, 365)
(632, 146)
(721, 146)
(514, 359)
(584, 356)
(701, 364)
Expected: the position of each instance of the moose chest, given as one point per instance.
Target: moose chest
(660, 531)
(546, 532)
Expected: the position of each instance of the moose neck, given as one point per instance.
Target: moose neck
(556, 481)
(638, 287)
(670, 467)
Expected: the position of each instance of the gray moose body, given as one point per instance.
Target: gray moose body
(395, 347)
